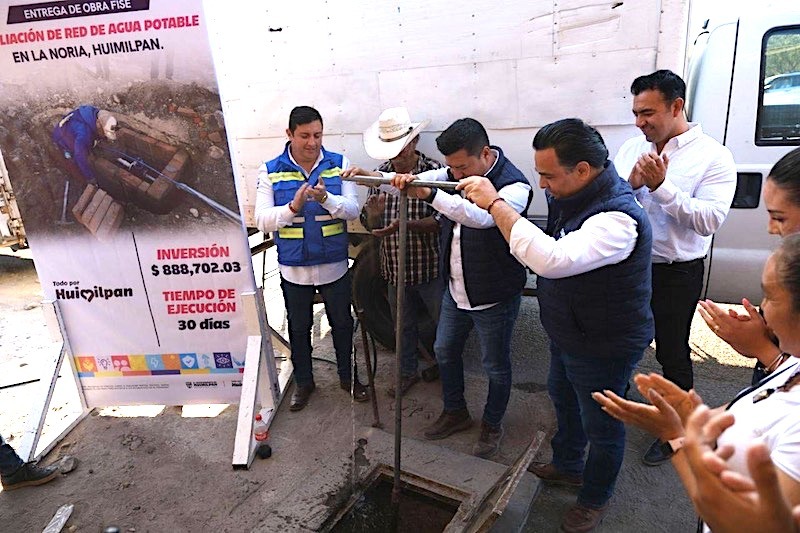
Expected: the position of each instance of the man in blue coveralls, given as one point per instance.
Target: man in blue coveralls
(76, 135)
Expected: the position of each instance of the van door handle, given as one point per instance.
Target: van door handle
(748, 190)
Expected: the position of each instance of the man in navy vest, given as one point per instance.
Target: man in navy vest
(303, 200)
(483, 281)
(593, 263)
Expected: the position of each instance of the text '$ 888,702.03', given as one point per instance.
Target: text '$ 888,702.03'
(191, 269)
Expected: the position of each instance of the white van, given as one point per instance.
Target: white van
(744, 88)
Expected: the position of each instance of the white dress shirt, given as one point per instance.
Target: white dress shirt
(270, 217)
(462, 211)
(693, 201)
(603, 239)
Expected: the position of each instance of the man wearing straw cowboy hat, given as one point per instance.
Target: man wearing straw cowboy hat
(393, 137)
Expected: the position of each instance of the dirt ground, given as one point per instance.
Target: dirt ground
(152, 468)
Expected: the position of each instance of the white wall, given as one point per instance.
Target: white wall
(514, 66)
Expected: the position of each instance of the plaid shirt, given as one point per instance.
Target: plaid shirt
(422, 261)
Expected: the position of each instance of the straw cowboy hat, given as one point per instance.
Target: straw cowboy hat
(391, 133)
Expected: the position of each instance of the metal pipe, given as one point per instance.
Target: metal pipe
(133, 161)
(372, 181)
(376, 418)
(398, 343)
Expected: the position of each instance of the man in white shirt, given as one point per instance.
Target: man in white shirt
(484, 282)
(302, 198)
(593, 263)
(686, 181)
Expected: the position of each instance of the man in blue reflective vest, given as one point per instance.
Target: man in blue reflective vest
(303, 200)
(76, 135)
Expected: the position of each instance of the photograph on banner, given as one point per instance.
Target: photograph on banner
(112, 131)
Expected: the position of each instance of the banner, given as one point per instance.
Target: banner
(112, 131)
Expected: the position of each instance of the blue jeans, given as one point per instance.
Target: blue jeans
(495, 326)
(425, 296)
(570, 383)
(10, 462)
(299, 308)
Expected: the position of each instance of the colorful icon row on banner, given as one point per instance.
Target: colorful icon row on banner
(157, 364)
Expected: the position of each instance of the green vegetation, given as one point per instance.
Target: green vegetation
(783, 53)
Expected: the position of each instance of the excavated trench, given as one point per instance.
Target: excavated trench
(168, 131)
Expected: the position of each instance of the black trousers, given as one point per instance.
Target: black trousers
(676, 290)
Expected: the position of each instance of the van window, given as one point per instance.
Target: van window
(778, 121)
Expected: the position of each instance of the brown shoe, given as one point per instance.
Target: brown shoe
(359, 390)
(449, 422)
(489, 441)
(549, 473)
(405, 384)
(301, 395)
(580, 519)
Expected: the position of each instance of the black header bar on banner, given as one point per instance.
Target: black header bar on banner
(71, 9)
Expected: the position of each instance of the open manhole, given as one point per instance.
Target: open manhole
(425, 506)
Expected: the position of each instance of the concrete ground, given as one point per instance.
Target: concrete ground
(168, 469)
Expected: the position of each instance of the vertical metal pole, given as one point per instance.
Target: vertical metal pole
(398, 343)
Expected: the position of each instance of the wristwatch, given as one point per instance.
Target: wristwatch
(671, 446)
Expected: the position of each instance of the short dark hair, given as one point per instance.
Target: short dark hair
(787, 258)
(669, 84)
(465, 133)
(573, 141)
(303, 114)
(786, 175)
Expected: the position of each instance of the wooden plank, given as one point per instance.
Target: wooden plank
(97, 218)
(91, 209)
(83, 201)
(111, 221)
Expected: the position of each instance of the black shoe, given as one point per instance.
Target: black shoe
(29, 475)
(359, 390)
(449, 422)
(658, 453)
(301, 395)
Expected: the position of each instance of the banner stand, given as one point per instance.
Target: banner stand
(260, 382)
(39, 410)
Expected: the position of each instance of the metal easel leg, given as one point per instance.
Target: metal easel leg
(259, 380)
(41, 406)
